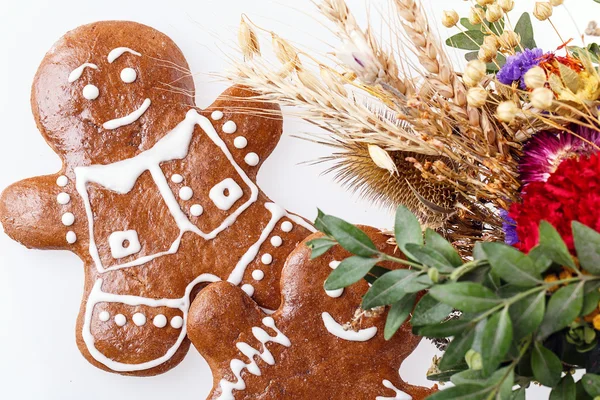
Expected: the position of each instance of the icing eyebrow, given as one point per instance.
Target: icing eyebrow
(76, 73)
(119, 51)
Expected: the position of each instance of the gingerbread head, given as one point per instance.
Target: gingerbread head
(315, 346)
(155, 196)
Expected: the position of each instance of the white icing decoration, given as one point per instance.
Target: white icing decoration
(266, 259)
(176, 322)
(249, 289)
(216, 115)
(139, 319)
(118, 52)
(128, 75)
(225, 201)
(116, 241)
(240, 142)
(62, 181)
(335, 293)
(160, 321)
(176, 178)
(196, 210)
(286, 226)
(68, 219)
(128, 119)
(63, 198)
(252, 159)
(334, 264)
(120, 320)
(258, 275)
(77, 72)
(237, 366)
(98, 296)
(229, 127)
(104, 316)
(337, 330)
(90, 92)
(276, 241)
(71, 237)
(186, 193)
(400, 395)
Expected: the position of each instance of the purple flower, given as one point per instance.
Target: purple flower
(509, 226)
(516, 66)
(546, 150)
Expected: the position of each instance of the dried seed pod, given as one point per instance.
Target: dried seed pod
(474, 72)
(477, 96)
(507, 5)
(332, 81)
(284, 51)
(541, 98)
(493, 13)
(247, 40)
(507, 111)
(542, 10)
(535, 78)
(450, 18)
(381, 158)
(509, 40)
(487, 53)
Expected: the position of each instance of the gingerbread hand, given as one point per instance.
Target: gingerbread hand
(315, 346)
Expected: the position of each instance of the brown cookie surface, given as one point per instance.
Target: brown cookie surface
(156, 197)
(302, 351)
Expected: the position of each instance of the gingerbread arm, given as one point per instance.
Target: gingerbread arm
(256, 129)
(32, 214)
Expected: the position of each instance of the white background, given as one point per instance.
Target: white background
(40, 291)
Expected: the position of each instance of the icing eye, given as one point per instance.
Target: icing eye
(128, 75)
(90, 92)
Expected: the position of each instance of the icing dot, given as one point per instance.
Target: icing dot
(177, 322)
(335, 293)
(139, 319)
(186, 193)
(71, 237)
(128, 75)
(120, 319)
(249, 289)
(266, 259)
(196, 210)
(276, 241)
(91, 92)
(216, 115)
(286, 226)
(68, 219)
(62, 181)
(258, 275)
(252, 159)
(104, 316)
(63, 198)
(334, 264)
(176, 178)
(240, 142)
(160, 321)
(229, 127)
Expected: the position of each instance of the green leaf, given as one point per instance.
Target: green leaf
(407, 229)
(508, 382)
(564, 306)
(456, 350)
(525, 30)
(462, 392)
(518, 394)
(540, 259)
(445, 329)
(527, 314)
(391, 287)
(429, 311)
(350, 237)
(587, 245)
(429, 257)
(319, 224)
(466, 296)
(496, 339)
(512, 265)
(591, 298)
(469, 40)
(591, 384)
(581, 394)
(546, 365)
(446, 375)
(478, 253)
(554, 246)
(398, 314)
(470, 27)
(350, 271)
(437, 242)
(319, 246)
(565, 390)
(471, 377)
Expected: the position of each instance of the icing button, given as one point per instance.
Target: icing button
(196, 210)
(266, 259)
(252, 159)
(104, 316)
(258, 275)
(128, 75)
(186, 193)
(139, 319)
(229, 127)
(176, 178)
(276, 241)
(71, 237)
(286, 226)
(240, 142)
(177, 322)
(90, 92)
(249, 289)
(160, 321)
(68, 219)
(62, 181)
(216, 115)
(334, 264)
(120, 319)
(63, 198)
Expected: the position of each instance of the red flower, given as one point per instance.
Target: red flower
(571, 193)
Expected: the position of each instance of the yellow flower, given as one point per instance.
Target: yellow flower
(549, 279)
(596, 322)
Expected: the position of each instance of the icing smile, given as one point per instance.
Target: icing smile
(128, 119)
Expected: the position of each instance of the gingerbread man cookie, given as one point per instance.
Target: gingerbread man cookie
(156, 197)
(304, 350)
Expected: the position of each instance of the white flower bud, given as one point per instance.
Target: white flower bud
(381, 158)
(474, 72)
(450, 18)
(509, 40)
(535, 78)
(542, 10)
(487, 53)
(493, 13)
(556, 3)
(477, 97)
(507, 111)
(507, 5)
(475, 16)
(541, 98)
